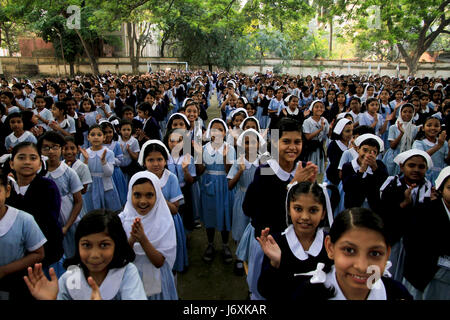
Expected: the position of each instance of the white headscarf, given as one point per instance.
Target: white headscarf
(408, 128)
(238, 110)
(366, 136)
(159, 229)
(313, 103)
(442, 176)
(208, 131)
(141, 159)
(182, 116)
(404, 156)
(341, 125)
(250, 118)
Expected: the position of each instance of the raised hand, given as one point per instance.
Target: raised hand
(103, 158)
(95, 295)
(137, 230)
(84, 153)
(307, 173)
(186, 161)
(38, 284)
(270, 247)
(400, 127)
(442, 138)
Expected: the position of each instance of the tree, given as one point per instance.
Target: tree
(12, 23)
(410, 25)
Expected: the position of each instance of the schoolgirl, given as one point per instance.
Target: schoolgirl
(250, 146)
(22, 102)
(263, 205)
(216, 199)
(369, 93)
(263, 102)
(356, 240)
(275, 107)
(63, 123)
(39, 197)
(110, 141)
(150, 129)
(101, 107)
(69, 186)
(401, 137)
(21, 245)
(9, 102)
(88, 117)
(373, 118)
(182, 165)
(154, 157)
(342, 134)
(426, 272)
(103, 193)
(292, 110)
(44, 115)
(18, 135)
(102, 264)
(364, 175)
(315, 129)
(300, 247)
(151, 233)
(237, 117)
(435, 144)
(399, 195)
(70, 153)
(130, 148)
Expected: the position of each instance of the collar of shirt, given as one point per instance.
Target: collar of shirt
(378, 291)
(8, 220)
(281, 174)
(297, 248)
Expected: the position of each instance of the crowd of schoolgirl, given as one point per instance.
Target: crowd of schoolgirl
(105, 177)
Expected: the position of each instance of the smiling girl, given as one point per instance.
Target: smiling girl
(102, 265)
(359, 247)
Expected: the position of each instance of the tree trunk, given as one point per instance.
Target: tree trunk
(92, 60)
(72, 69)
(8, 42)
(331, 37)
(162, 47)
(131, 41)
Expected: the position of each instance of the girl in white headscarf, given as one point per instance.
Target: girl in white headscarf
(150, 230)
(401, 137)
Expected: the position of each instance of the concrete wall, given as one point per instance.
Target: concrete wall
(19, 66)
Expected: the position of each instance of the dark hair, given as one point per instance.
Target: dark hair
(218, 121)
(11, 116)
(72, 139)
(305, 187)
(107, 124)
(288, 125)
(175, 117)
(3, 179)
(251, 119)
(154, 147)
(125, 122)
(95, 126)
(90, 102)
(357, 218)
(127, 108)
(239, 113)
(22, 145)
(371, 142)
(98, 221)
(39, 97)
(141, 181)
(62, 106)
(51, 136)
(145, 107)
(363, 129)
(10, 96)
(27, 116)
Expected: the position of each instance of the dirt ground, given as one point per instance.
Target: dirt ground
(215, 280)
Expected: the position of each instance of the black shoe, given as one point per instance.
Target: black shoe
(239, 268)
(209, 253)
(227, 256)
